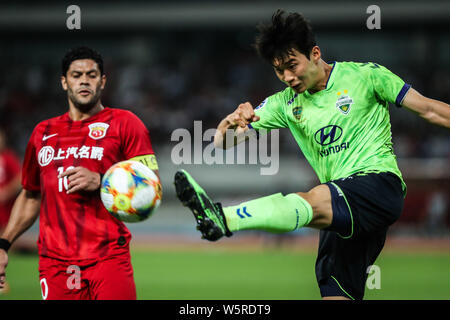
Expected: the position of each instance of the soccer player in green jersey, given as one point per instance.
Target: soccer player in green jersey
(338, 114)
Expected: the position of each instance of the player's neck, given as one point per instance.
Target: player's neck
(323, 75)
(76, 114)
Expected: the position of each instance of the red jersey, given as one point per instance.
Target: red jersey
(9, 169)
(77, 226)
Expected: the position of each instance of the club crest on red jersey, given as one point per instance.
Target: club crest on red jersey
(98, 130)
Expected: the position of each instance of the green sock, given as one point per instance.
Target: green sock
(274, 213)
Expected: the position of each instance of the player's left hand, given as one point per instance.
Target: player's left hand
(81, 179)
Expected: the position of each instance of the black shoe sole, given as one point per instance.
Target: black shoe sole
(186, 194)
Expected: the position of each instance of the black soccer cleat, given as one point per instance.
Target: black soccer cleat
(209, 216)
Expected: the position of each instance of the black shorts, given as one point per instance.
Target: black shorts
(364, 206)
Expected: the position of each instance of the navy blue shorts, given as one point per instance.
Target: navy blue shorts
(364, 206)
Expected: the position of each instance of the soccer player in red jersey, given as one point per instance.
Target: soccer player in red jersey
(83, 250)
(9, 179)
(9, 185)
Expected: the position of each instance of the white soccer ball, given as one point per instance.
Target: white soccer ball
(130, 191)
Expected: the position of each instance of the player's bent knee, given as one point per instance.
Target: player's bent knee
(319, 198)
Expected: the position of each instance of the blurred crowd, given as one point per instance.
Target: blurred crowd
(203, 79)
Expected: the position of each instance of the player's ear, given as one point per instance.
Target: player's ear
(315, 54)
(64, 82)
(103, 80)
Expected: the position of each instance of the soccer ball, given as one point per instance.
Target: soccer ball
(130, 191)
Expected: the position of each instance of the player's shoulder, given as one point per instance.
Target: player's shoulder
(50, 122)
(278, 99)
(351, 65)
(360, 67)
(285, 96)
(359, 71)
(42, 127)
(125, 118)
(122, 114)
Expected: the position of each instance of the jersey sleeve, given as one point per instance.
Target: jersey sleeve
(135, 137)
(30, 169)
(271, 113)
(387, 85)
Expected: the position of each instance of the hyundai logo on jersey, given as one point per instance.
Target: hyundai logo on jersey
(327, 135)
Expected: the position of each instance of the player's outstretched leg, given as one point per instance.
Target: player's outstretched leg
(274, 213)
(209, 215)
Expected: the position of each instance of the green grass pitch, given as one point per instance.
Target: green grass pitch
(265, 274)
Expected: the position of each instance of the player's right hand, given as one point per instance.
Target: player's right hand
(81, 179)
(242, 116)
(3, 264)
(237, 121)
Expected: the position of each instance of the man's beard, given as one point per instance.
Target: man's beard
(84, 107)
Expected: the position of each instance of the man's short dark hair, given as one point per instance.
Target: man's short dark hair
(277, 39)
(78, 54)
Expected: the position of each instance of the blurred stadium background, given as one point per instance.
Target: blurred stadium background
(175, 62)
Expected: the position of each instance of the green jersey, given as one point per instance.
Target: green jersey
(345, 128)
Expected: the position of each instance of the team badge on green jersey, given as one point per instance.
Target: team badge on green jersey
(344, 102)
(297, 112)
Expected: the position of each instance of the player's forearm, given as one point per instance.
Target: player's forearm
(24, 213)
(219, 137)
(228, 136)
(232, 130)
(434, 111)
(438, 113)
